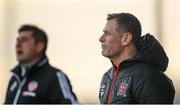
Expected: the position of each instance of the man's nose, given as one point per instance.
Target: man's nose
(101, 39)
(18, 43)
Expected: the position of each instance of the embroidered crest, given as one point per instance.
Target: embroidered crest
(32, 86)
(122, 88)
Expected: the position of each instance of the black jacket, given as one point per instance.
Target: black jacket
(42, 83)
(140, 79)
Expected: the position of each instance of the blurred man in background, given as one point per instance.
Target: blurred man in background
(34, 80)
(138, 64)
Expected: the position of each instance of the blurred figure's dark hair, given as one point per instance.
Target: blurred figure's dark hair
(38, 34)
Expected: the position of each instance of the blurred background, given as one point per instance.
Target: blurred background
(74, 27)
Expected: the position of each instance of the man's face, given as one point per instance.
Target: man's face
(26, 48)
(111, 41)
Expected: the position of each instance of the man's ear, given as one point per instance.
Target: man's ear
(40, 46)
(127, 39)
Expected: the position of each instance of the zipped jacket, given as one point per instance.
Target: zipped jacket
(139, 80)
(41, 84)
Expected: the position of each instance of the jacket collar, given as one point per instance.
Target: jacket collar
(31, 67)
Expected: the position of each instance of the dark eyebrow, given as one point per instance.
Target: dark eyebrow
(106, 32)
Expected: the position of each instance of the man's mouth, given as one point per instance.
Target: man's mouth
(103, 47)
(19, 52)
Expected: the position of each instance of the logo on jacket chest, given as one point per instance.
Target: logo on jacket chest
(102, 90)
(122, 90)
(32, 86)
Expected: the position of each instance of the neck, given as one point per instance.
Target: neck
(128, 53)
(30, 63)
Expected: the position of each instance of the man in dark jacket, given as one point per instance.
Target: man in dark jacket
(34, 80)
(138, 64)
